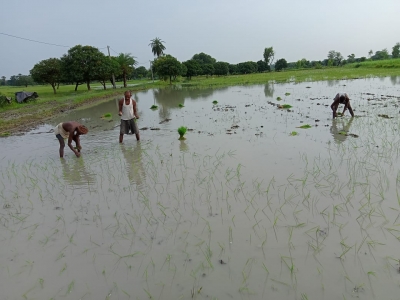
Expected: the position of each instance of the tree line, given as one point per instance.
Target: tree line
(86, 64)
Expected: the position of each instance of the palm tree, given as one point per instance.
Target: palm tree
(157, 47)
(127, 63)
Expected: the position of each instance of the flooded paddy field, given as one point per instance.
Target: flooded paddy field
(249, 206)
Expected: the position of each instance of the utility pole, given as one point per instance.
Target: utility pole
(113, 78)
(151, 68)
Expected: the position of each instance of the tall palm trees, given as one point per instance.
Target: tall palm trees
(127, 63)
(157, 47)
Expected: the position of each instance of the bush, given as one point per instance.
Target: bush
(3, 100)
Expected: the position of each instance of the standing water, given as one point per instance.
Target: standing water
(249, 206)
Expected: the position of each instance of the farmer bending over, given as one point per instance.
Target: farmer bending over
(341, 98)
(70, 130)
(128, 113)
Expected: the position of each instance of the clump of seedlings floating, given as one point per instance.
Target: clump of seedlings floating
(182, 130)
(287, 94)
(278, 98)
(215, 102)
(305, 126)
(154, 107)
(294, 133)
(181, 105)
(284, 106)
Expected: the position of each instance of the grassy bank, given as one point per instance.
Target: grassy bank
(16, 117)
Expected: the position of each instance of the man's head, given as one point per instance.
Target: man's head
(127, 95)
(342, 98)
(82, 129)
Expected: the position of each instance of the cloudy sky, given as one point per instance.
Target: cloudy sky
(228, 30)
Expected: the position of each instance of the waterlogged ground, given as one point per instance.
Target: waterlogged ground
(249, 206)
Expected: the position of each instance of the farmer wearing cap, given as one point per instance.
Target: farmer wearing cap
(341, 98)
(70, 130)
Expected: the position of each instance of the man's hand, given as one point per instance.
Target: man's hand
(137, 117)
(77, 154)
(120, 113)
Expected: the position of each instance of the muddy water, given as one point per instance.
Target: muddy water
(241, 209)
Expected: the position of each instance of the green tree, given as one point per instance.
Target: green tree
(280, 64)
(302, 64)
(140, 72)
(47, 71)
(269, 56)
(167, 66)
(396, 51)
(335, 57)
(247, 67)
(262, 66)
(157, 47)
(221, 68)
(233, 69)
(193, 68)
(379, 55)
(351, 58)
(203, 58)
(127, 64)
(107, 67)
(207, 69)
(80, 65)
(3, 80)
(370, 53)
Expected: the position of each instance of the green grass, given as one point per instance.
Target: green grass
(371, 64)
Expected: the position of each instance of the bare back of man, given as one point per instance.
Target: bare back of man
(341, 98)
(70, 130)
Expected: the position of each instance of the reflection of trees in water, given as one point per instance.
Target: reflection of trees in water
(332, 82)
(269, 90)
(75, 172)
(169, 98)
(340, 125)
(134, 164)
(393, 79)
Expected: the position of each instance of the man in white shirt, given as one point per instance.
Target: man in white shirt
(128, 113)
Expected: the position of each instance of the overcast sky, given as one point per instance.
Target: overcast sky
(228, 30)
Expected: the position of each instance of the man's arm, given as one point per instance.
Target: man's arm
(70, 139)
(120, 107)
(135, 109)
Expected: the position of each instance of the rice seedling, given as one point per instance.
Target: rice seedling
(305, 126)
(278, 98)
(286, 106)
(154, 107)
(287, 94)
(182, 131)
(215, 102)
(181, 105)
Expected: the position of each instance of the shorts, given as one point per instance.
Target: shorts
(60, 138)
(128, 125)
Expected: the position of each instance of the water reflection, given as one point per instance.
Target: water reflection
(340, 128)
(269, 90)
(394, 79)
(134, 164)
(169, 98)
(183, 147)
(75, 172)
(332, 82)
